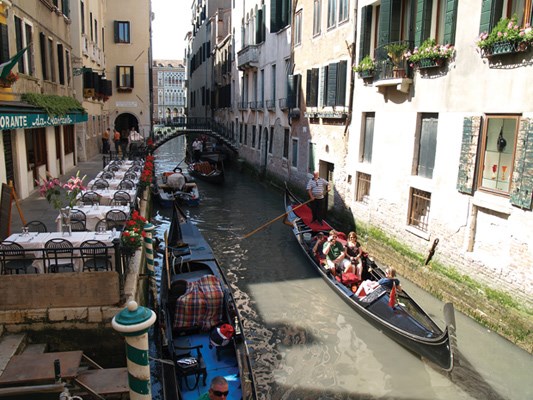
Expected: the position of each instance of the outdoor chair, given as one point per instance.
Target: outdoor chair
(121, 198)
(90, 198)
(100, 184)
(116, 219)
(107, 175)
(126, 184)
(59, 255)
(13, 258)
(95, 256)
(130, 175)
(36, 226)
(78, 220)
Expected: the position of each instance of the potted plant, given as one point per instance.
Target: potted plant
(365, 68)
(429, 54)
(396, 53)
(507, 37)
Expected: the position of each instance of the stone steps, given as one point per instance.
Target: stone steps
(10, 344)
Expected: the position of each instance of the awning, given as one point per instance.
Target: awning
(25, 118)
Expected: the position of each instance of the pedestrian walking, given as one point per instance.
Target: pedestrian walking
(317, 188)
(105, 141)
(116, 140)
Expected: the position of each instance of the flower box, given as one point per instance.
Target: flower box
(366, 74)
(430, 63)
(504, 48)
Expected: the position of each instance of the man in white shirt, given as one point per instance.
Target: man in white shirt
(136, 140)
(197, 147)
(316, 188)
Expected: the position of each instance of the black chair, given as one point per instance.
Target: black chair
(78, 220)
(121, 198)
(190, 364)
(130, 175)
(90, 198)
(116, 219)
(114, 168)
(135, 168)
(13, 258)
(100, 184)
(101, 222)
(95, 256)
(107, 175)
(126, 184)
(59, 255)
(36, 226)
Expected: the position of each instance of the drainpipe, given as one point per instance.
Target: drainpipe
(351, 49)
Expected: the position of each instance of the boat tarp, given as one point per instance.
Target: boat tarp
(201, 306)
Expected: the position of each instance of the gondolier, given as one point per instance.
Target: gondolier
(317, 187)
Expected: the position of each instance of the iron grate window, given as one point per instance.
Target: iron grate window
(420, 204)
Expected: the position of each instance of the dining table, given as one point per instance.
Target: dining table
(36, 241)
(94, 214)
(113, 183)
(106, 195)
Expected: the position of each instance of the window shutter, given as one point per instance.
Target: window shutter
(331, 95)
(4, 44)
(396, 20)
(366, 32)
(491, 12)
(341, 84)
(522, 182)
(285, 12)
(467, 160)
(274, 8)
(263, 24)
(385, 17)
(258, 25)
(323, 88)
(132, 75)
(314, 86)
(293, 90)
(308, 83)
(450, 22)
(115, 29)
(423, 21)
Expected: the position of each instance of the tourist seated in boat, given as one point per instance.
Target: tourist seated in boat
(218, 389)
(335, 254)
(354, 253)
(369, 286)
(318, 247)
(176, 181)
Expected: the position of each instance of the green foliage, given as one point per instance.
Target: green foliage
(506, 30)
(430, 50)
(396, 51)
(53, 104)
(366, 64)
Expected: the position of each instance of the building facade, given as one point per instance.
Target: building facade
(169, 79)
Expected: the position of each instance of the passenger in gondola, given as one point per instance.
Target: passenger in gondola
(219, 389)
(354, 252)
(318, 247)
(390, 279)
(335, 254)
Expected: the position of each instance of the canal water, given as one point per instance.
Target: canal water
(305, 342)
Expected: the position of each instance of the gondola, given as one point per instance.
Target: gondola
(402, 320)
(202, 330)
(208, 168)
(166, 195)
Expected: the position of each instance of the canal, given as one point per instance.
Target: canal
(306, 343)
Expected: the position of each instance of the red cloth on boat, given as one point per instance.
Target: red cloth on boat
(304, 212)
(201, 305)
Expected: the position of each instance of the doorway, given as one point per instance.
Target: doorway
(326, 171)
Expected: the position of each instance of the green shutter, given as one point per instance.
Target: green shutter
(323, 92)
(258, 26)
(450, 22)
(314, 86)
(308, 82)
(331, 95)
(423, 21)
(365, 32)
(467, 160)
(491, 13)
(396, 21)
(263, 25)
(273, 16)
(293, 90)
(284, 18)
(341, 83)
(522, 182)
(117, 37)
(385, 16)
(4, 43)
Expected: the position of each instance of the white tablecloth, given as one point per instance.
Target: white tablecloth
(107, 195)
(95, 214)
(113, 183)
(37, 241)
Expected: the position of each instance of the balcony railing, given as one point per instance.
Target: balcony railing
(283, 104)
(248, 57)
(271, 104)
(252, 105)
(390, 65)
(242, 105)
(260, 104)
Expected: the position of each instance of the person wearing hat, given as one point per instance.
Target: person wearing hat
(317, 187)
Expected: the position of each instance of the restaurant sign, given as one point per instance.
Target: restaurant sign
(29, 121)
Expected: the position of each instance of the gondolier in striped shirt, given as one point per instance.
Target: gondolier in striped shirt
(317, 187)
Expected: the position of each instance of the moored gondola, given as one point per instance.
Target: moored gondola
(203, 332)
(174, 186)
(402, 319)
(209, 168)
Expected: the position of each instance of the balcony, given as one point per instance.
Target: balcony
(271, 104)
(242, 105)
(252, 105)
(392, 68)
(248, 57)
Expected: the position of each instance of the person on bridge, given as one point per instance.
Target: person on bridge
(317, 187)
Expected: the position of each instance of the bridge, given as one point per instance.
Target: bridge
(193, 125)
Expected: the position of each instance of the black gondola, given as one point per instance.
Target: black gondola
(203, 333)
(210, 168)
(405, 321)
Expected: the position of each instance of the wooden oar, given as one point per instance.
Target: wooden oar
(166, 259)
(274, 220)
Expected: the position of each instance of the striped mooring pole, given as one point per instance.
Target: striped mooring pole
(149, 248)
(133, 323)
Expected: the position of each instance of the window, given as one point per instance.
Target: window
(271, 141)
(51, 58)
(65, 8)
(35, 147)
(368, 137)
(280, 13)
(286, 137)
(245, 134)
(67, 65)
(253, 136)
(91, 25)
(125, 77)
(363, 186)
(273, 88)
(311, 155)
(317, 16)
(497, 157)
(427, 145)
(260, 134)
(44, 63)
(332, 13)
(294, 159)
(68, 138)
(122, 32)
(23, 38)
(343, 10)
(493, 10)
(419, 206)
(61, 63)
(334, 84)
(311, 92)
(298, 28)
(82, 17)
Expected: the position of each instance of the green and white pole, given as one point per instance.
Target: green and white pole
(133, 323)
(149, 248)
